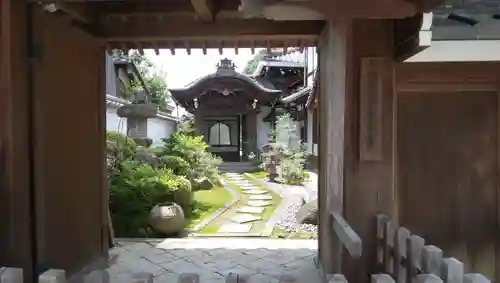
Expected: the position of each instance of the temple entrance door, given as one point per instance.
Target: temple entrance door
(223, 137)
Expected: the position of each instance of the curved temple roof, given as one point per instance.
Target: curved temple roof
(219, 75)
(308, 90)
(226, 78)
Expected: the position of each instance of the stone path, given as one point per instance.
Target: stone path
(250, 209)
(293, 197)
(263, 260)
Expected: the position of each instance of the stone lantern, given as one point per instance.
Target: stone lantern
(137, 114)
(274, 162)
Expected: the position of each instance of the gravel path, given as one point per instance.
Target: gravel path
(293, 199)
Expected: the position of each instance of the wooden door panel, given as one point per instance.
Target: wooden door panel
(447, 151)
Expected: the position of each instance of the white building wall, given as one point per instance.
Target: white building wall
(263, 128)
(115, 123)
(310, 131)
(110, 76)
(159, 129)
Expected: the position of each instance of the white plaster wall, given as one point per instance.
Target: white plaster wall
(263, 128)
(110, 76)
(115, 123)
(159, 129)
(459, 51)
(310, 131)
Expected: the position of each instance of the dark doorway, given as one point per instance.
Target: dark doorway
(223, 137)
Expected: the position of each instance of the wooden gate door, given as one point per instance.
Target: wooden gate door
(447, 148)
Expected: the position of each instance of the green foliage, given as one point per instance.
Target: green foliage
(158, 90)
(193, 150)
(176, 163)
(291, 152)
(136, 187)
(253, 63)
(186, 126)
(154, 81)
(120, 145)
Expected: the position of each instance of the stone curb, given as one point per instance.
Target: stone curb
(303, 191)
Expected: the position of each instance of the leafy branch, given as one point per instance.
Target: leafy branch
(153, 81)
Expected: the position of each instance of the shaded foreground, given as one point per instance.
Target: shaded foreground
(264, 260)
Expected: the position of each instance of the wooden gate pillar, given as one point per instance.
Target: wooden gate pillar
(16, 187)
(356, 178)
(334, 57)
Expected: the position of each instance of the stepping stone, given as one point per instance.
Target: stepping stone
(247, 185)
(250, 209)
(260, 197)
(234, 228)
(245, 218)
(258, 203)
(250, 188)
(255, 192)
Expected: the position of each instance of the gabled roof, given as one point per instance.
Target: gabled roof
(467, 20)
(234, 75)
(298, 94)
(224, 81)
(305, 91)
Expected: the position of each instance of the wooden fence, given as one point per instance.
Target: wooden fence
(15, 275)
(409, 260)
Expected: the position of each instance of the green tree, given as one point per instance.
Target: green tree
(254, 62)
(154, 81)
(291, 151)
(251, 65)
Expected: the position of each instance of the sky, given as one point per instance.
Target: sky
(182, 69)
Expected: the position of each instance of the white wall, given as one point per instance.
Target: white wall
(459, 51)
(115, 123)
(159, 129)
(263, 128)
(110, 76)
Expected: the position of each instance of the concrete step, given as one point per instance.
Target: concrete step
(237, 167)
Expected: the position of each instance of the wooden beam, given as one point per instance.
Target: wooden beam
(79, 12)
(190, 30)
(412, 35)
(204, 9)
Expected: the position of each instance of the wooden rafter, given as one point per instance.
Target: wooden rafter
(412, 35)
(77, 11)
(150, 29)
(204, 9)
(190, 34)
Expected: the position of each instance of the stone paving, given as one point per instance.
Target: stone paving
(293, 197)
(247, 212)
(264, 260)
